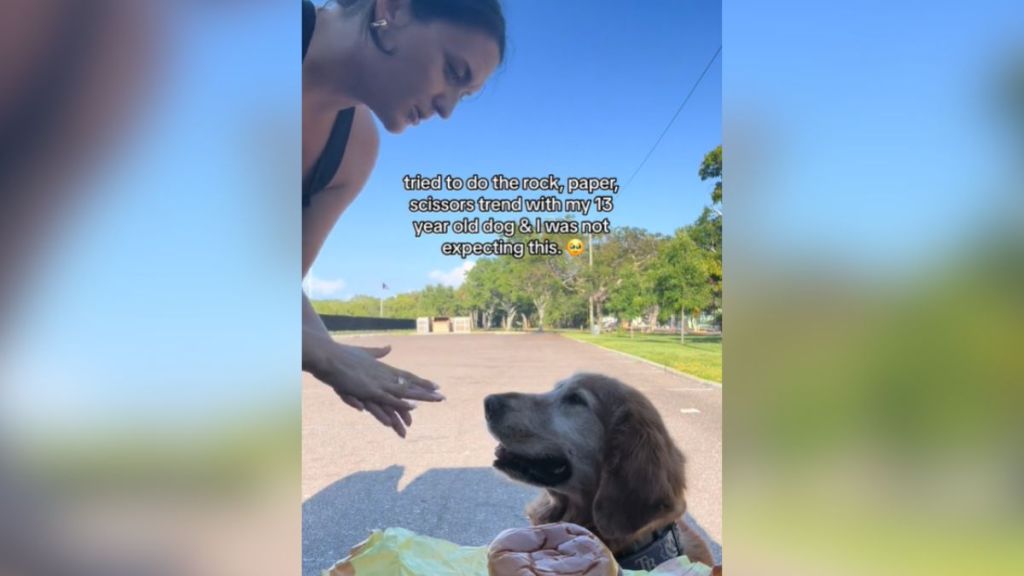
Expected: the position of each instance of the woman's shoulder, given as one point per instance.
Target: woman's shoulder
(364, 129)
(361, 152)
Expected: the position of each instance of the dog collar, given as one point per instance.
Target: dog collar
(667, 544)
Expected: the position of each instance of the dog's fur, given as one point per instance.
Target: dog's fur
(603, 455)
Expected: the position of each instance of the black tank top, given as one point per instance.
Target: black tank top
(327, 164)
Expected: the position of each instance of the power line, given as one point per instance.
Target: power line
(674, 116)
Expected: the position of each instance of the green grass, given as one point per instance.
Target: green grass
(700, 356)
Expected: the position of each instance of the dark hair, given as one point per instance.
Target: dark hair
(483, 15)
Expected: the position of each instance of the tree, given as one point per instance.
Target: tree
(632, 297)
(491, 286)
(509, 290)
(405, 305)
(567, 309)
(630, 253)
(711, 168)
(361, 305)
(707, 230)
(538, 283)
(680, 277)
(438, 300)
(623, 254)
(480, 290)
(544, 279)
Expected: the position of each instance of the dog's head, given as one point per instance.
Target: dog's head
(596, 441)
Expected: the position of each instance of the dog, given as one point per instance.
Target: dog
(602, 453)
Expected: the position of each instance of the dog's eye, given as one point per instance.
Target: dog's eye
(575, 399)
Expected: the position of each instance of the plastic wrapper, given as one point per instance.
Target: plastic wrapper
(401, 552)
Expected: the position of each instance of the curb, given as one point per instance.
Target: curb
(646, 361)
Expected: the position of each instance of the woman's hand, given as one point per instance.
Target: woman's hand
(359, 378)
(365, 383)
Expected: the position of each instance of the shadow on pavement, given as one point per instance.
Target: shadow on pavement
(468, 506)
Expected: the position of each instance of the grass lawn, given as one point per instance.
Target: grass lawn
(700, 355)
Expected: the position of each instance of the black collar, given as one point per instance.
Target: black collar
(666, 545)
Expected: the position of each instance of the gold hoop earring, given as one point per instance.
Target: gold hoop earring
(382, 23)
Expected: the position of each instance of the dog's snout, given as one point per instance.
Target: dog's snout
(493, 407)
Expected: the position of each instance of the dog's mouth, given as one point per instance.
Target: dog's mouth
(540, 470)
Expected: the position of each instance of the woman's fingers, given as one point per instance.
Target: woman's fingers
(415, 381)
(390, 400)
(352, 401)
(387, 417)
(378, 413)
(396, 423)
(426, 384)
(376, 352)
(387, 393)
(413, 387)
(406, 416)
(421, 394)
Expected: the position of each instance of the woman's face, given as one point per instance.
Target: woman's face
(433, 65)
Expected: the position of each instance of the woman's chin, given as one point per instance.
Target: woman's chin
(396, 125)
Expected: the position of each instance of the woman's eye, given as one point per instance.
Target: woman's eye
(455, 75)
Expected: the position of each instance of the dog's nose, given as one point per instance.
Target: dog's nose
(493, 407)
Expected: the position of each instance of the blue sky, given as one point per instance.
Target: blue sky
(586, 89)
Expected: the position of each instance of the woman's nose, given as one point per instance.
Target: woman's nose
(445, 104)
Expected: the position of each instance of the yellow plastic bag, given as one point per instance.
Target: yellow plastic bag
(400, 552)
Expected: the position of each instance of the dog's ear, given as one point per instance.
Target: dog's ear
(641, 480)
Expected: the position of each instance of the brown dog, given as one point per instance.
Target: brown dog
(606, 461)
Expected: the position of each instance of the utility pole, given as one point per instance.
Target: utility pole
(590, 257)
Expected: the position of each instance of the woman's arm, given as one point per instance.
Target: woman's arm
(327, 206)
(354, 373)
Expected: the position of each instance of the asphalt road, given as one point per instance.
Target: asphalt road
(358, 475)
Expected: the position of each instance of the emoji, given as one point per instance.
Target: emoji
(574, 247)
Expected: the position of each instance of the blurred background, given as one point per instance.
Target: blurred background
(874, 269)
(149, 349)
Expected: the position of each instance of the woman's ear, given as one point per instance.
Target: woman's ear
(642, 482)
(388, 17)
(398, 13)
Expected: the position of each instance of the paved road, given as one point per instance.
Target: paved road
(358, 475)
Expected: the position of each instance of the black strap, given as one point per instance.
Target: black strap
(330, 159)
(308, 23)
(334, 151)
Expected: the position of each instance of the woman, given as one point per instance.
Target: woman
(402, 61)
